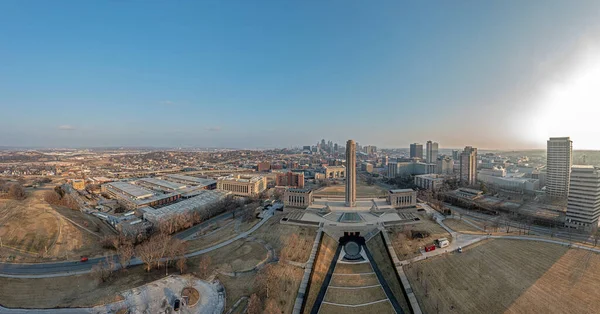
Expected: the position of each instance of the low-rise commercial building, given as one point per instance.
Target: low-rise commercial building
(402, 198)
(243, 185)
(432, 182)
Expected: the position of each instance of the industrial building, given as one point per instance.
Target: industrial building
(242, 185)
(199, 202)
(160, 185)
(132, 196)
(207, 184)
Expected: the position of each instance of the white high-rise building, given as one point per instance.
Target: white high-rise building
(432, 151)
(583, 209)
(558, 167)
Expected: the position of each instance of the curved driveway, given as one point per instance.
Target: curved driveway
(61, 269)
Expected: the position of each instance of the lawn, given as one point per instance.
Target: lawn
(509, 276)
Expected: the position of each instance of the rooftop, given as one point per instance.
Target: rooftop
(194, 180)
(401, 190)
(163, 183)
(241, 178)
(205, 197)
(131, 189)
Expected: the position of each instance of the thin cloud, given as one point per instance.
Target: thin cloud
(66, 127)
(167, 102)
(213, 128)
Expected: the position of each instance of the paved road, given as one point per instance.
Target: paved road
(61, 269)
(559, 232)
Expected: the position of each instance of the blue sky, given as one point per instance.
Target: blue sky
(286, 73)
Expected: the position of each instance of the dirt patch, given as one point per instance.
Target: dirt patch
(492, 277)
(191, 294)
(406, 247)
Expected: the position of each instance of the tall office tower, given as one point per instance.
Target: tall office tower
(468, 166)
(455, 154)
(335, 148)
(432, 152)
(416, 150)
(583, 209)
(558, 166)
(350, 173)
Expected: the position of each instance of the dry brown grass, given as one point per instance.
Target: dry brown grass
(34, 231)
(461, 226)
(72, 291)
(354, 281)
(320, 267)
(407, 248)
(381, 258)
(240, 255)
(381, 307)
(354, 296)
(509, 275)
(343, 268)
(277, 234)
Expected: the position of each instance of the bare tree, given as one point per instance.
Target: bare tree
(125, 251)
(16, 192)
(146, 253)
(182, 265)
(596, 236)
(204, 266)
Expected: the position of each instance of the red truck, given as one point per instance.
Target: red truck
(429, 248)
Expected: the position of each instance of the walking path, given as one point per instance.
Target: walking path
(62, 269)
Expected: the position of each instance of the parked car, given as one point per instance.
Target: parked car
(83, 259)
(459, 250)
(177, 305)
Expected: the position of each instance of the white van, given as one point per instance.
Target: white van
(442, 242)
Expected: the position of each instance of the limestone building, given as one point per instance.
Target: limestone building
(300, 198)
(335, 172)
(402, 198)
(351, 173)
(242, 185)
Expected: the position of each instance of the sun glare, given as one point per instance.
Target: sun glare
(571, 107)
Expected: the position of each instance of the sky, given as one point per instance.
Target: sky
(257, 74)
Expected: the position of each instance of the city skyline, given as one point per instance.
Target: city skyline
(232, 74)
